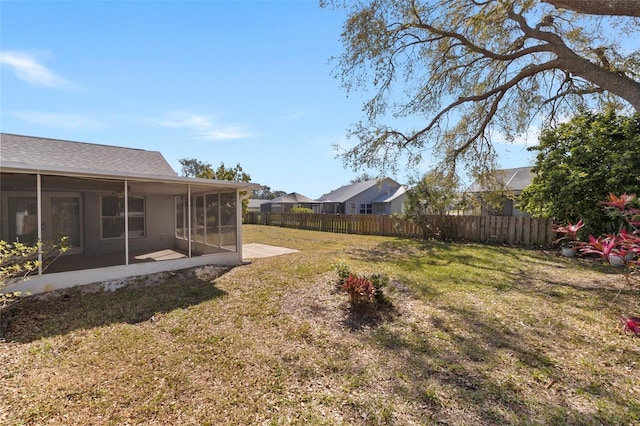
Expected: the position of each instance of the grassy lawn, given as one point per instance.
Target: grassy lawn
(479, 335)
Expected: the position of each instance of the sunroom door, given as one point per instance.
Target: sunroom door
(65, 219)
(61, 216)
(23, 218)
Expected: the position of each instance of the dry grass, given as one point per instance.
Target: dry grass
(479, 335)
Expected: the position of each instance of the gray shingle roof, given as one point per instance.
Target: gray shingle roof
(46, 153)
(255, 203)
(387, 198)
(513, 179)
(293, 198)
(347, 192)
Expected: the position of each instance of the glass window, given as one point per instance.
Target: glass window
(112, 217)
(366, 209)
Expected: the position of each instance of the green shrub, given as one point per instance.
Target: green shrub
(304, 210)
(343, 271)
(380, 282)
(580, 163)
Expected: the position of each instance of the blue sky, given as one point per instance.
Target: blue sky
(232, 81)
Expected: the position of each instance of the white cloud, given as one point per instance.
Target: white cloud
(58, 120)
(226, 133)
(187, 121)
(205, 127)
(295, 116)
(28, 69)
(530, 138)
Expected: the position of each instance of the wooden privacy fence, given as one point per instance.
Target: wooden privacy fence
(522, 231)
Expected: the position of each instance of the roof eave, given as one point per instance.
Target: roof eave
(13, 167)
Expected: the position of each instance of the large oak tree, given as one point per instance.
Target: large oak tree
(469, 71)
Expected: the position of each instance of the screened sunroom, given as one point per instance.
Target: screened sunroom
(117, 224)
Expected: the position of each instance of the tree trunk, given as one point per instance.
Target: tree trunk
(599, 7)
(567, 60)
(613, 82)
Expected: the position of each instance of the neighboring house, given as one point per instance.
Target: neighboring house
(512, 182)
(126, 211)
(285, 203)
(378, 196)
(255, 204)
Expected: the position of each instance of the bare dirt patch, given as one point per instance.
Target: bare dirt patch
(326, 304)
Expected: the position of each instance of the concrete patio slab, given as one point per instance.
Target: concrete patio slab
(257, 250)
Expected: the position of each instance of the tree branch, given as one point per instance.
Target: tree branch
(570, 62)
(480, 131)
(477, 49)
(501, 89)
(599, 7)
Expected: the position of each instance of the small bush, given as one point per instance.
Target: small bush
(365, 292)
(380, 282)
(17, 260)
(305, 210)
(343, 270)
(361, 291)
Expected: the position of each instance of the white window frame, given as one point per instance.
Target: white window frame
(131, 215)
(366, 208)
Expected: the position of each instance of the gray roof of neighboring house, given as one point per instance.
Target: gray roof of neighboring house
(255, 203)
(347, 192)
(292, 198)
(513, 179)
(44, 153)
(387, 198)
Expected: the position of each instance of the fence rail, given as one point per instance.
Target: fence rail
(520, 231)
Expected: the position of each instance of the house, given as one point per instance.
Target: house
(377, 196)
(126, 211)
(285, 203)
(509, 181)
(255, 205)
